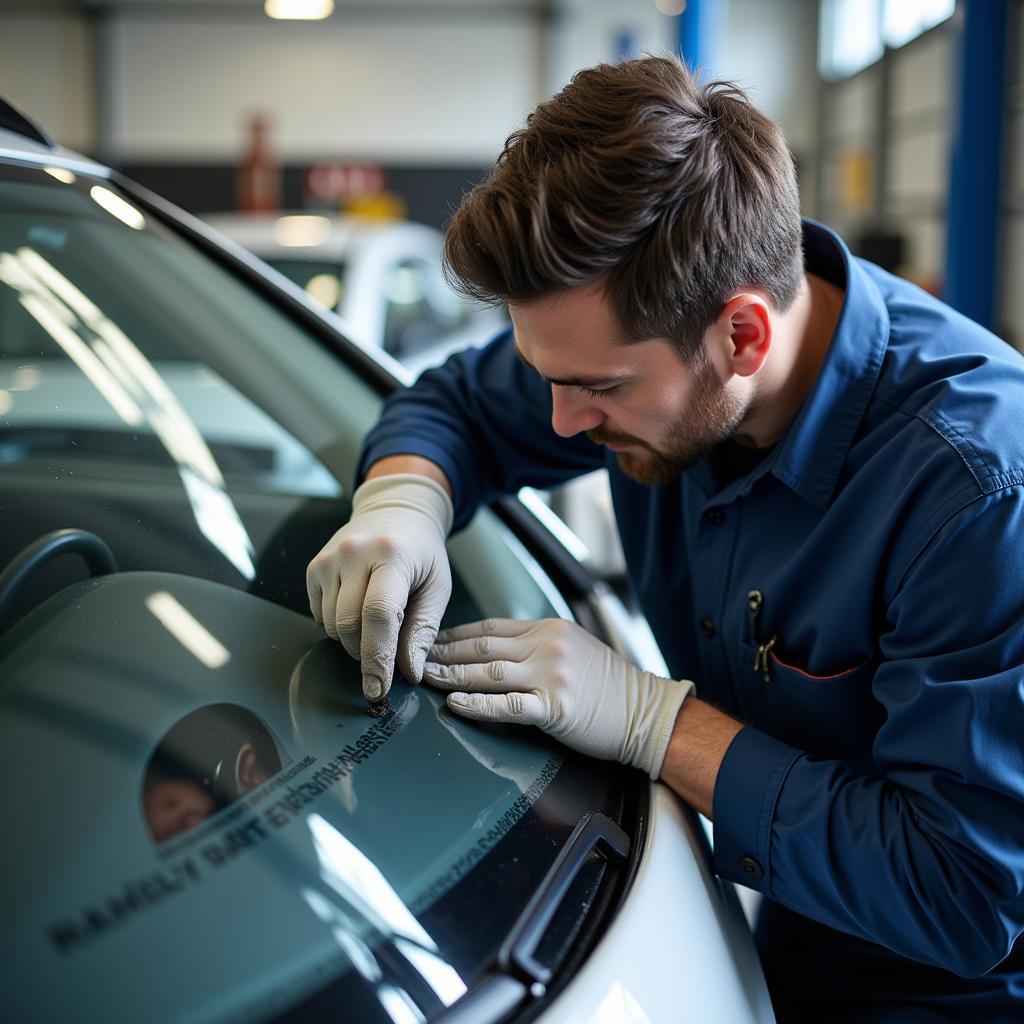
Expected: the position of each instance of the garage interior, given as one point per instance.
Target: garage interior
(905, 119)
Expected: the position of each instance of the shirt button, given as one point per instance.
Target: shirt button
(751, 867)
(715, 516)
(707, 627)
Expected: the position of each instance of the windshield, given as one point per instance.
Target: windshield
(149, 396)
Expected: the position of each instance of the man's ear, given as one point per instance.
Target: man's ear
(744, 327)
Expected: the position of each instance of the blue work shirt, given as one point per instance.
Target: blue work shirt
(857, 599)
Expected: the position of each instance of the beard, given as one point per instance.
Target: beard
(711, 417)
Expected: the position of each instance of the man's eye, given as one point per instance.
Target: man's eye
(594, 393)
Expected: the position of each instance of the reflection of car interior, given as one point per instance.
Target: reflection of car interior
(206, 761)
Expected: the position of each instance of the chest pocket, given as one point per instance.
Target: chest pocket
(833, 716)
(829, 717)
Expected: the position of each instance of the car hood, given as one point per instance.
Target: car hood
(322, 861)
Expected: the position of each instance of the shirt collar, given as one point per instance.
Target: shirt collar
(811, 453)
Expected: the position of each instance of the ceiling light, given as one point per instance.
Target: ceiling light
(299, 10)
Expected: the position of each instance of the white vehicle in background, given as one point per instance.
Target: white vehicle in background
(382, 277)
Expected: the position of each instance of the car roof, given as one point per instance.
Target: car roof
(15, 149)
(23, 141)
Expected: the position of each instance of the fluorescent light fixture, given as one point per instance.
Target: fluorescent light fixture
(299, 10)
(305, 229)
(117, 207)
(187, 629)
(61, 175)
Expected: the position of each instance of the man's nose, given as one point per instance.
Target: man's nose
(572, 413)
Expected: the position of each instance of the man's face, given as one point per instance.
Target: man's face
(175, 805)
(659, 414)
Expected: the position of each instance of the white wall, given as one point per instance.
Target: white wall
(389, 89)
(441, 87)
(47, 70)
(770, 49)
(582, 33)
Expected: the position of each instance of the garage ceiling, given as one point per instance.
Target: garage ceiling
(193, 7)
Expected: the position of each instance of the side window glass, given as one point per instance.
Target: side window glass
(421, 310)
(407, 321)
(449, 311)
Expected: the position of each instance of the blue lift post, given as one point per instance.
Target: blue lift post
(696, 28)
(979, 99)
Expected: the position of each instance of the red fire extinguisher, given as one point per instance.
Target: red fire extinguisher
(259, 171)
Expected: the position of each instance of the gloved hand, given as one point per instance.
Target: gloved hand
(555, 675)
(381, 584)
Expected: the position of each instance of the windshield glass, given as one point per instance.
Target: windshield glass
(149, 396)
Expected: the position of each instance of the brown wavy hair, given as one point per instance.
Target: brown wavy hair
(676, 193)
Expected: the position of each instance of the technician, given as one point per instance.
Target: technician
(818, 477)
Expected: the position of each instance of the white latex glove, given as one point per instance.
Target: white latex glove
(555, 675)
(381, 584)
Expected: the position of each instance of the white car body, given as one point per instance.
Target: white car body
(379, 264)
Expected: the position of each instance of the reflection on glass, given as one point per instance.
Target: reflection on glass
(56, 320)
(118, 207)
(206, 761)
(25, 378)
(133, 388)
(61, 174)
(401, 1009)
(187, 630)
(218, 521)
(344, 934)
(522, 774)
(363, 888)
